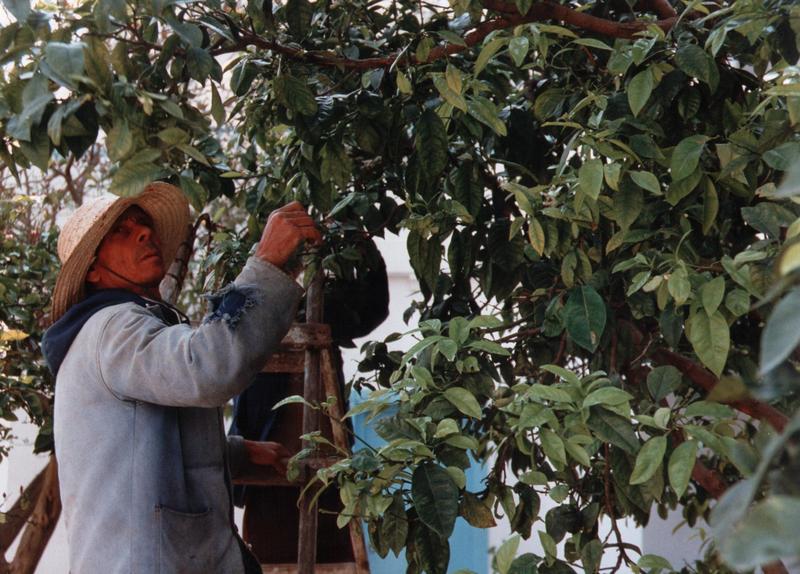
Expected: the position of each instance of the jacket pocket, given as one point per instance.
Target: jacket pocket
(187, 541)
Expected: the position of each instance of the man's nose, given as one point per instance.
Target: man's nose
(144, 234)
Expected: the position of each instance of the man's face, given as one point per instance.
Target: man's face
(130, 251)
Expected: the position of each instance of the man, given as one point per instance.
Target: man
(143, 459)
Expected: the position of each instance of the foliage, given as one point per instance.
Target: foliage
(591, 208)
(27, 272)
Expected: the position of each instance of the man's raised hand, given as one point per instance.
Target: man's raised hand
(287, 229)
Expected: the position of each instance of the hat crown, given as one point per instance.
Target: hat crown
(80, 222)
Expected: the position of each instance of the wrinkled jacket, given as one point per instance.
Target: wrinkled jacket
(138, 427)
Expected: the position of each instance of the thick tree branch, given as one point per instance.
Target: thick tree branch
(539, 12)
(41, 525)
(707, 381)
(16, 517)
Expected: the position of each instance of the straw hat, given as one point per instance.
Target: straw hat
(86, 228)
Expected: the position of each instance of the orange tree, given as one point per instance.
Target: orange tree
(591, 192)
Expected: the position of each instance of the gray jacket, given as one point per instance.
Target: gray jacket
(139, 434)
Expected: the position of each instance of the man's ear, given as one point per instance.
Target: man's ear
(92, 275)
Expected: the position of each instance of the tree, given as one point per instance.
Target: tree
(590, 192)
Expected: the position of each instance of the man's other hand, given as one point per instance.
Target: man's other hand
(287, 229)
(268, 454)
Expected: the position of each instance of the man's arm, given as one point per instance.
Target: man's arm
(141, 358)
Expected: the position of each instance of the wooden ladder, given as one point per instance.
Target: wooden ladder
(306, 349)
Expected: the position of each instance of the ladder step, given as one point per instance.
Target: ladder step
(332, 568)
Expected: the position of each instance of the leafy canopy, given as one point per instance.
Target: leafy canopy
(590, 195)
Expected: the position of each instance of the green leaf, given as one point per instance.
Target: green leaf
(394, 528)
(681, 188)
(525, 563)
(539, 391)
(435, 498)
(464, 401)
(590, 177)
(712, 293)
(628, 204)
(171, 108)
(291, 400)
(639, 90)
(431, 145)
(549, 103)
(432, 550)
(553, 447)
(591, 555)
(403, 83)
(696, 62)
(548, 544)
(646, 180)
(35, 97)
(781, 335)
(133, 176)
(523, 6)
(606, 396)
(585, 317)
(577, 452)
(487, 53)
(298, 17)
(425, 257)
(593, 43)
(710, 339)
(681, 464)
(295, 94)
(662, 381)
(336, 165)
(518, 48)
(562, 373)
(651, 562)
(649, 459)
(783, 157)
(119, 142)
(686, 156)
(738, 303)
(66, 60)
(191, 34)
(170, 136)
(197, 194)
(613, 428)
(199, 63)
(679, 286)
(490, 347)
(710, 206)
(485, 112)
(708, 409)
(506, 553)
(768, 533)
(453, 98)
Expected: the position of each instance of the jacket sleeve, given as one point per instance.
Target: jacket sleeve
(141, 358)
(237, 455)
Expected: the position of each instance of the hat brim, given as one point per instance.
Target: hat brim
(169, 210)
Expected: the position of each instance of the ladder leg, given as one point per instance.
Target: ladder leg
(307, 535)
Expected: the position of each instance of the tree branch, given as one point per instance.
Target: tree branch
(16, 517)
(707, 381)
(42, 523)
(541, 11)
